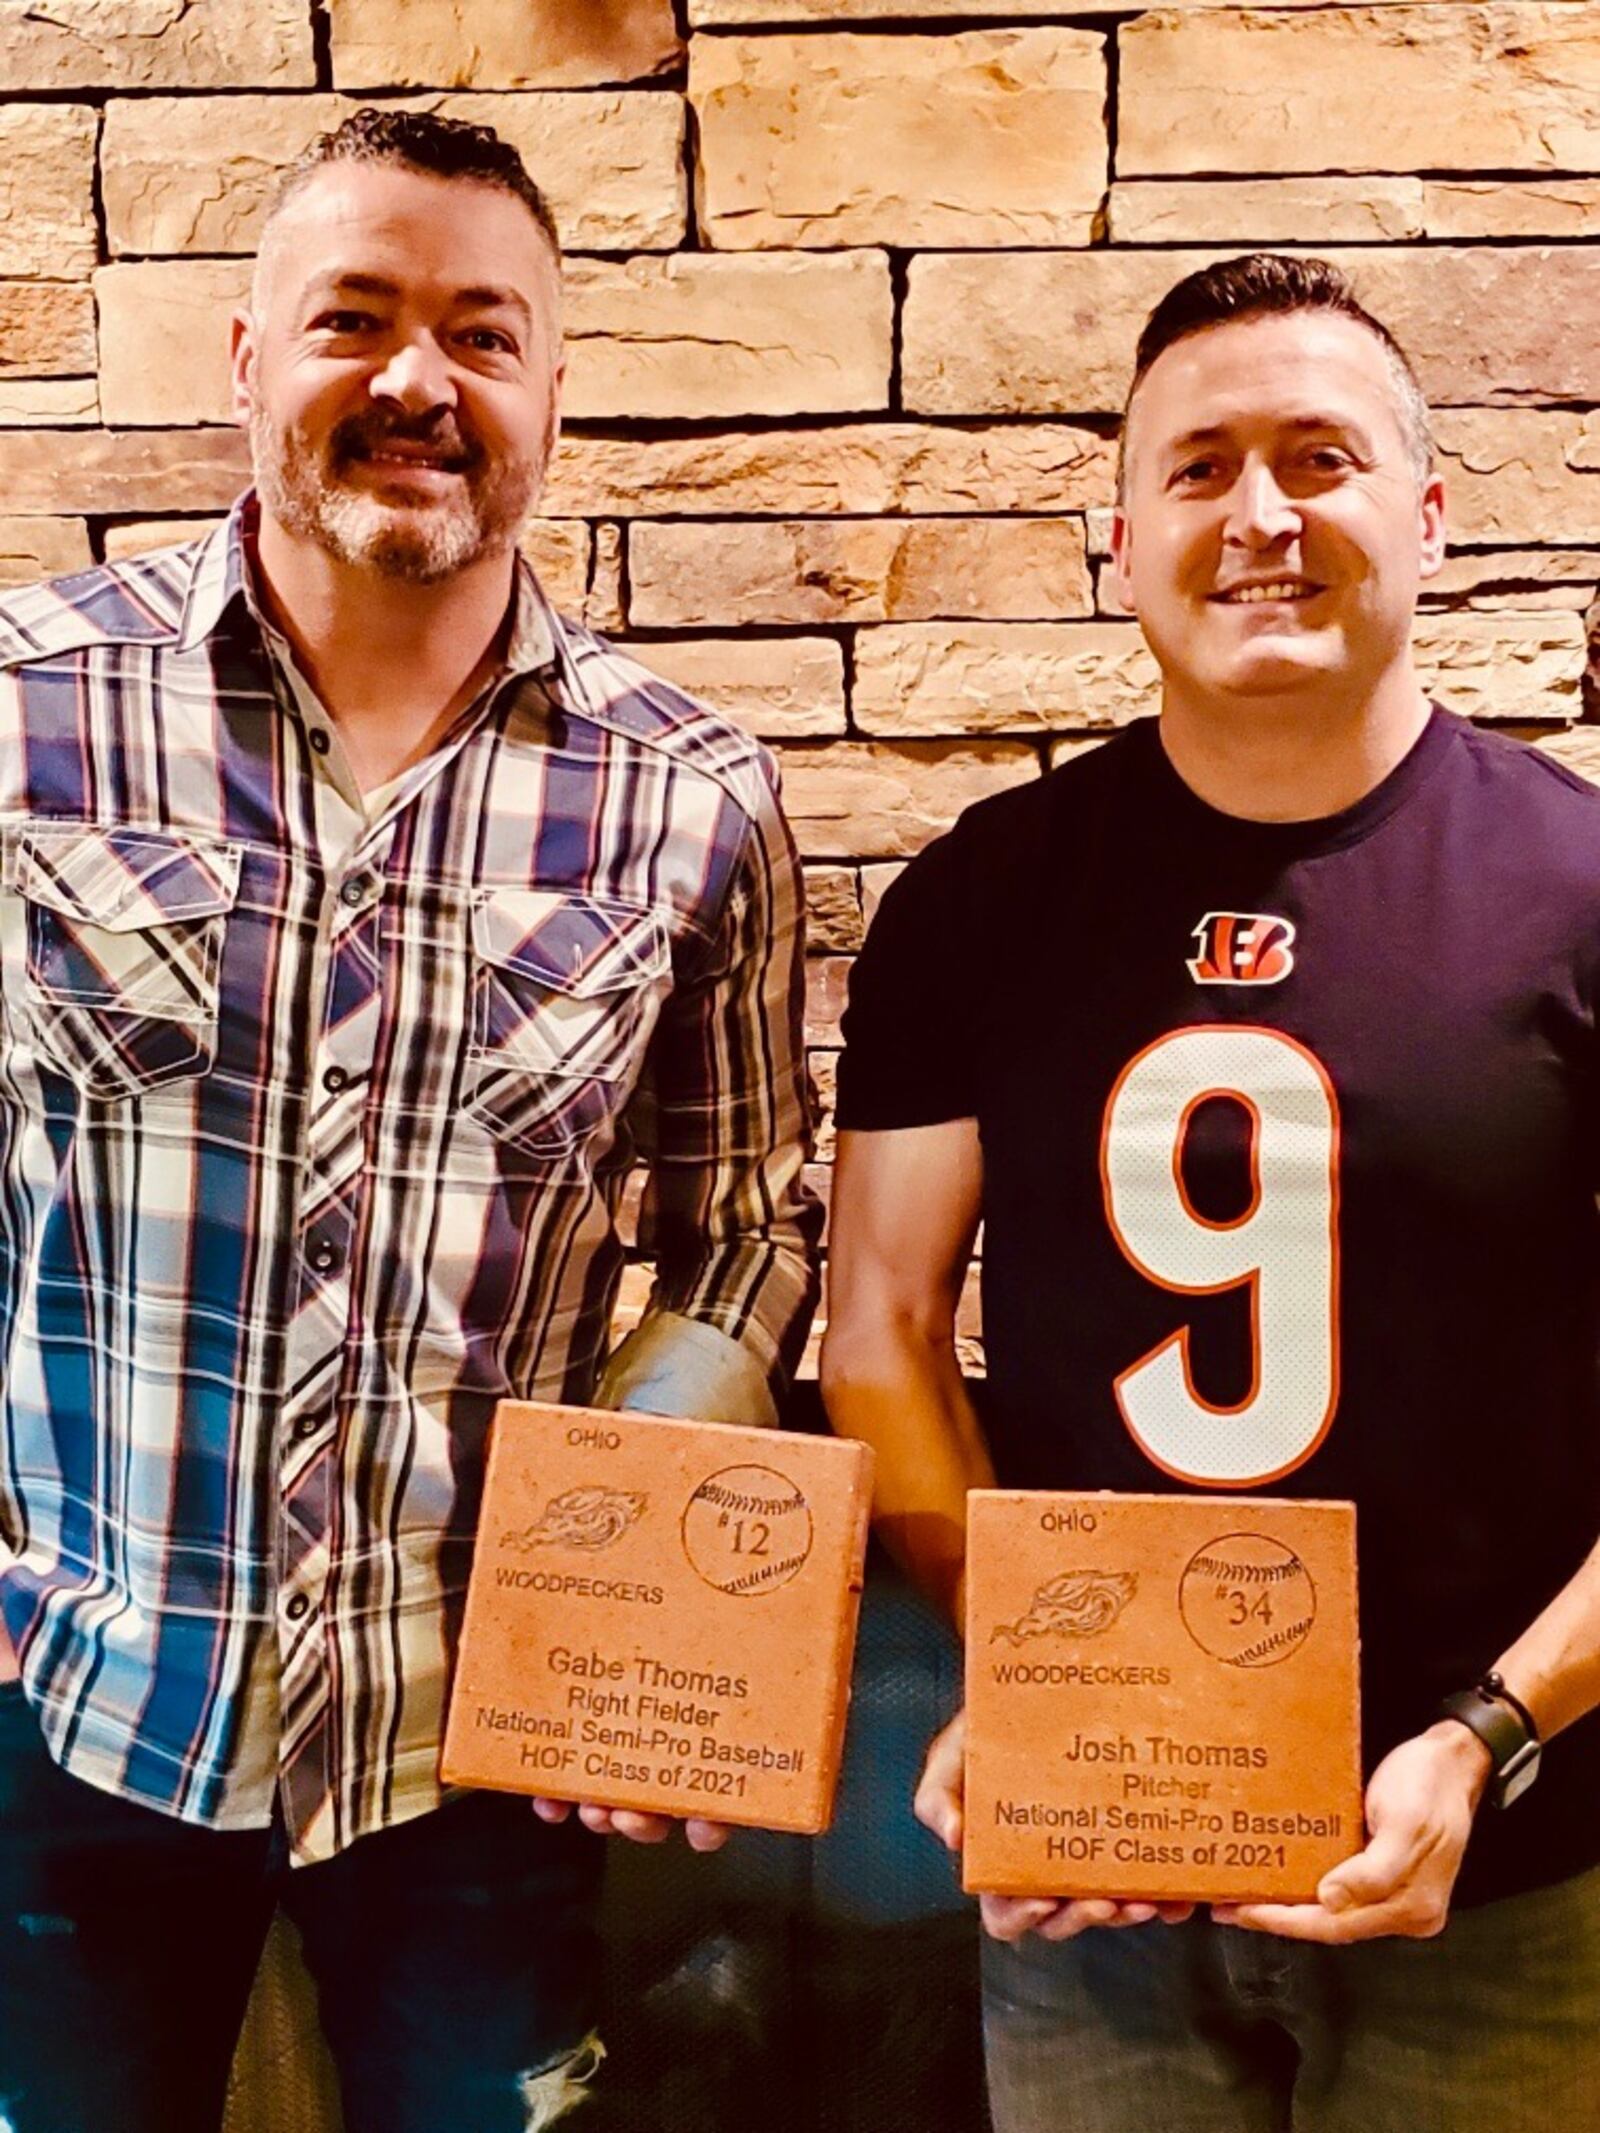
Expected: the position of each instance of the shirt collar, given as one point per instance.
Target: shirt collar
(223, 574)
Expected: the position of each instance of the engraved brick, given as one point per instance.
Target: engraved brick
(33, 548)
(47, 190)
(486, 44)
(662, 1616)
(27, 403)
(1001, 677)
(898, 467)
(1225, 1649)
(1491, 207)
(140, 536)
(559, 551)
(1043, 333)
(1512, 87)
(1504, 666)
(164, 339)
(980, 137)
(833, 911)
(866, 800)
(46, 329)
(692, 336)
(1520, 474)
(194, 174)
(775, 687)
(157, 44)
(1267, 211)
(859, 570)
(133, 473)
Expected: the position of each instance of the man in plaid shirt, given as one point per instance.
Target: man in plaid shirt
(361, 922)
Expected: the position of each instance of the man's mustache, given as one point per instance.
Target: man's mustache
(358, 437)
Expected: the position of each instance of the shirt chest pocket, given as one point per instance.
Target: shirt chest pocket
(565, 994)
(124, 933)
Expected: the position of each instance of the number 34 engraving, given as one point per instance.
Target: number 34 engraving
(1284, 1247)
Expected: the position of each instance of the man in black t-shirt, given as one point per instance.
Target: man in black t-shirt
(1262, 1042)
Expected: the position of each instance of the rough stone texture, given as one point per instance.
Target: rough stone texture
(500, 44)
(1517, 475)
(775, 687)
(864, 800)
(25, 402)
(604, 609)
(164, 339)
(32, 548)
(856, 570)
(707, 13)
(156, 44)
(827, 980)
(194, 174)
(1504, 666)
(874, 881)
(559, 550)
(1001, 677)
(102, 472)
(46, 329)
(834, 924)
(824, 1068)
(47, 190)
(692, 337)
(1258, 211)
(1483, 207)
(140, 536)
(980, 137)
(897, 467)
(1503, 87)
(1042, 333)
(1578, 747)
(1517, 577)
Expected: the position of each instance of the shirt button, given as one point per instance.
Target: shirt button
(307, 1426)
(356, 890)
(298, 1608)
(320, 741)
(334, 1080)
(324, 1258)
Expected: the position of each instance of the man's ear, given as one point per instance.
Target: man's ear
(1121, 556)
(242, 353)
(1433, 526)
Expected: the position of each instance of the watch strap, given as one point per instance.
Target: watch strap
(1506, 1729)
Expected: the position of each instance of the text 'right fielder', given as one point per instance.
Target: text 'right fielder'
(1344, 951)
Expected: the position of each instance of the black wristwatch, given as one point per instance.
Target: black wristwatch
(1505, 1726)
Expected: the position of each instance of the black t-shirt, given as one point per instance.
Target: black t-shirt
(1291, 1140)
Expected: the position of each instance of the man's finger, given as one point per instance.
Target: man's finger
(1372, 1876)
(641, 1828)
(706, 1836)
(552, 1810)
(1009, 1917)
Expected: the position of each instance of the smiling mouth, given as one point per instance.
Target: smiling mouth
(1278, 590)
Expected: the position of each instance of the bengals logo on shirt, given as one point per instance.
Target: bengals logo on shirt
(1242, 948)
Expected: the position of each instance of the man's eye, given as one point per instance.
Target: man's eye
(1195, 471)
(491, 340)
(343, 322)
(1327, 459)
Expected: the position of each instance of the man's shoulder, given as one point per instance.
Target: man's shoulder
(136, 600)
(1559, 773)
(617, 690)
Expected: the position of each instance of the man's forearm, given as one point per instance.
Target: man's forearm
(1554, 1666)
(901, 1391)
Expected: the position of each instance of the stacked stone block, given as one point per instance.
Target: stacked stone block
(852, 295)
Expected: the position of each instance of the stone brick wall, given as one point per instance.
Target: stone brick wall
(853, 294)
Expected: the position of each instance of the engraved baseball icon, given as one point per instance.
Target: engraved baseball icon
(747, 1530)
(1247, 1600)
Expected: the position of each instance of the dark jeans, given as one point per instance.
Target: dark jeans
(1207, 2029)
(453, 1959)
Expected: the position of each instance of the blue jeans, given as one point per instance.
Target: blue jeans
(1203, 2028)
(453, 1959)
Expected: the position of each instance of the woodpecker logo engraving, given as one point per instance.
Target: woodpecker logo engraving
(1242, 948)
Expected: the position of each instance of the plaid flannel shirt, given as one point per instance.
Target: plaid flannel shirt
(315, 1116)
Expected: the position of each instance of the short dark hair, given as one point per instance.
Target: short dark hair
(421, 141)
(1269, 284)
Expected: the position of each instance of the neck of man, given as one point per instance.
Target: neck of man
(393, 663)
(1295, 758)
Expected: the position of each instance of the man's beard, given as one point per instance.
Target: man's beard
(311, 496)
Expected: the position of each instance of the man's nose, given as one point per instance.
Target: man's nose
(416, 377)
(1259, 512)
